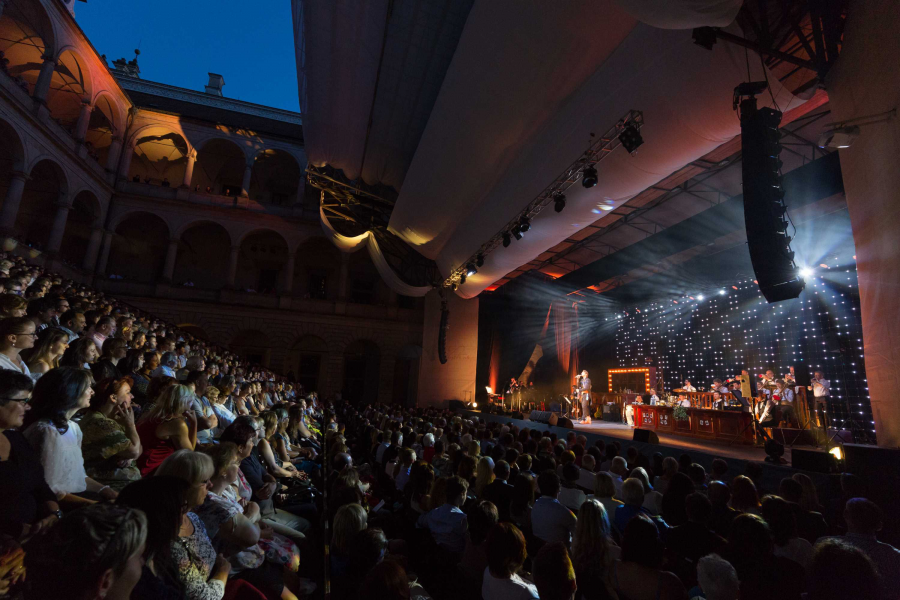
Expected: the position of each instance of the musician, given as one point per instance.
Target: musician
(717, 402)
(790, 378)
(688, 387)
(629, 411)
(785, 398)
(746, 383)
(768, 381)
(584, 387)
(513, 386)
(767, 411)
(718, 386)
(654, 399)
(821, 389)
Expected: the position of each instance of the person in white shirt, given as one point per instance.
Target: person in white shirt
(551, 521)
(570, 495)
(688, 387)
(654, 399)
(506, 554)
(821, 389)
(785, 397)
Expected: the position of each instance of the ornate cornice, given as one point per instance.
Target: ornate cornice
(202, 98)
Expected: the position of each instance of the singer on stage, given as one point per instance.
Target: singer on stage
(584, 387)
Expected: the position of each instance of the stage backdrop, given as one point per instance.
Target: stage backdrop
(726, 329)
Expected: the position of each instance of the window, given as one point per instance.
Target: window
(316, 285)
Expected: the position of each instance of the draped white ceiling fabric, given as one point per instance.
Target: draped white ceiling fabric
(480, 106)
(367, 240)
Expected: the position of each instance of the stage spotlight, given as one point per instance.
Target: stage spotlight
(470, 269)
(507, 240)
(559, 202)
(838, 138)
(806, 272)
(700, 297)
(589, 177)
(479, 260)
(721, 292)
(631, 138)
(517, 232)
(524, 224)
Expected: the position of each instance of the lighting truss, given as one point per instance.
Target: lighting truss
(599, 148)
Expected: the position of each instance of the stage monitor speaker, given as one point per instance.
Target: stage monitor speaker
(540, 416)
(807, 459)
(764, 208)
(565, 422)
(457, 405)
(646, 436)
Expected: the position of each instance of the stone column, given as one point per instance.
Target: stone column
(90, 258)
(245, 185)
(115, 150)
(125, 162)
(12, 201)
(343, 278)
(42, 87)
(59, 226)
(84, 120)
(171, 255)
(104, 253)
(288, 281)
(232, 265)
(189, 169)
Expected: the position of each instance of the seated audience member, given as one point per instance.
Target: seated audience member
(698, 477)
(719, 470)
(744, 498)
(47, 352)
(673, 501)
(27, 504)
(484, 475)
(522, 502)
(443, 466)
(72, 322)
(810, 524)
(694, 539)
(840, 571)
(82, 353)
(16, 334)
(604, 490)
(12, 306)
(617, 470)
(717, 579)
(416, 493)
(386, 581)
(633, 495)
(639, 575)
(428, 447)
(593, 552)
(349, 520)
(114, 350)
(780, 517)
(809, 500)
(481, 517)
(162, 500)
(111, 443)
(57, 396)
(550, 520)
(500, 492)
(94, 552)
(669, 468)
(402, 468)
(553, 573)
(722, 514)
(267, 438)
(447, 523)
(167, 425)
(506, 554)
(367, 550)
(652, 498)
(864, 520)
(762, 575)
(570, 495)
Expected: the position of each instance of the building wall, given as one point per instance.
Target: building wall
(454, 380)
(864, 83)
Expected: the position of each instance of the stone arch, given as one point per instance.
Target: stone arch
(362, 371)
(195, 330)
(70, 86)
(220, 167)
(102, 127)
(317, 268)
(252, 346)
(158, 154)
(85, 216)
(263, 256)
(201, 248)
(307, 360)
(275, 178)
(46, 187)
(139, 246)
(27, 35)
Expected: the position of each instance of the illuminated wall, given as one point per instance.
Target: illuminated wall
(718, 332)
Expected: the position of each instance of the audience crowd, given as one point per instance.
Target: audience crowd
(139, 462)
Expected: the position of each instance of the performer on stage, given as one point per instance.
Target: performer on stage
(654, 399)
(512, 392)
(790, 378)
(768, 381)
(785, 398)
(718, 386)
(688, 387)
(584, 387)
(767, 412)
(629, 411)
(717, 402)
(821, 389)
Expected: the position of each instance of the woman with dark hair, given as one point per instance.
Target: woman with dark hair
(93, 553)
(111, 442)
(131, 366)
(763, 576)
(58, 395)
(16, 334)
(673, 501)
(522, 502)
(506, 554)
(81, 353)
(27, 504)
(45, 355)
(840, 571)
(639, 575)
(162, 499)
(744, 497)
(386, 581)
(114, 350)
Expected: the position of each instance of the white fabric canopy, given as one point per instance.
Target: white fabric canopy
(367, 240)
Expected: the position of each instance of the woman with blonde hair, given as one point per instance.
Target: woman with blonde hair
(593, 551)
(474, 449)
(349, 520)
(169, 424)
(47, 352)
(604, 490)
(266, 447)
(809, 501)
(484, 474)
